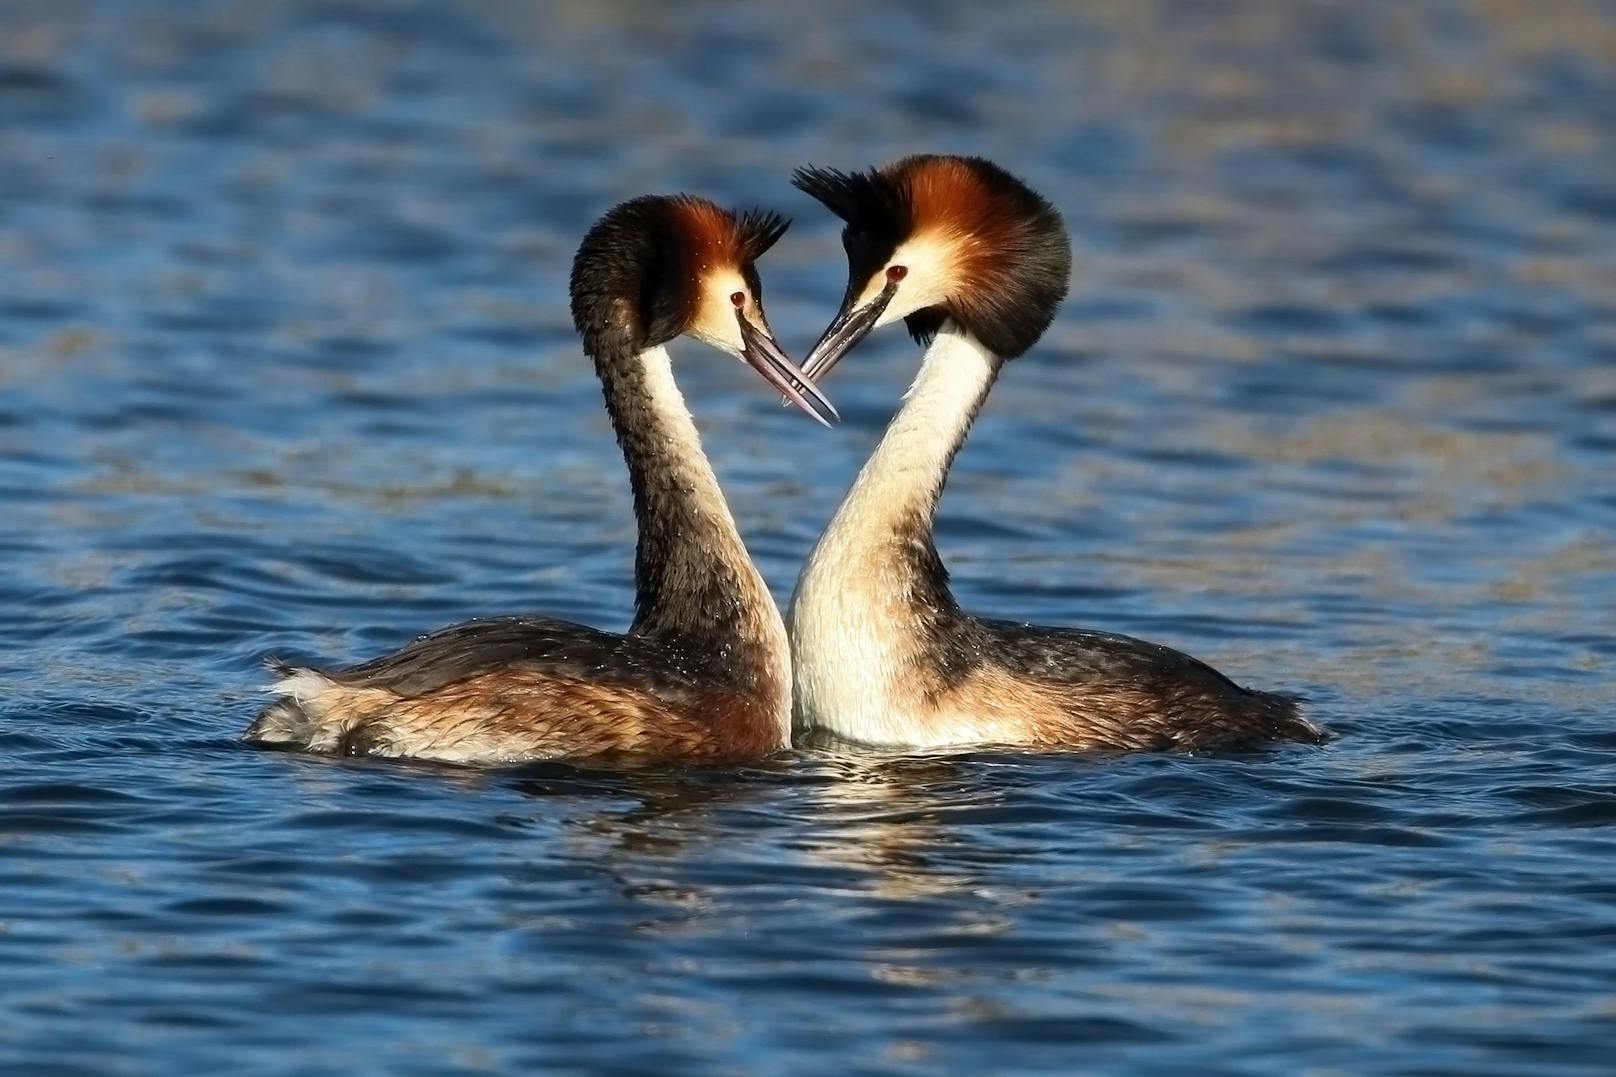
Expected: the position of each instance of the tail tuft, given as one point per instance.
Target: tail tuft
(1284, 712)
(283, 723)
(312, 712)
(290, 721)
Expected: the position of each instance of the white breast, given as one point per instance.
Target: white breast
(855, 648)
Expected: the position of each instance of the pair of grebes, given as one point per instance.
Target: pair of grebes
(873, 650)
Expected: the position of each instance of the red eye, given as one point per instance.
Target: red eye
(738, 298)
(897, 273)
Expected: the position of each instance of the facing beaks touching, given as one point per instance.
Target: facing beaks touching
(764, 355)
(932, 240)
(852, 324)
(725, 306)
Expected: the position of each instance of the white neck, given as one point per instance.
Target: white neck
(851, 619)
(906, 472)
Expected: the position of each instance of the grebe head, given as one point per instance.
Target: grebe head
(663, 266)
(932, 239)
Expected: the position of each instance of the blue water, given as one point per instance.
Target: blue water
(285, 368)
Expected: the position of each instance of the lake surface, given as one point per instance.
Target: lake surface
(285, 368)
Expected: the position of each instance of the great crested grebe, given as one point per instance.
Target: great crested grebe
(704, 672)
(975, 263)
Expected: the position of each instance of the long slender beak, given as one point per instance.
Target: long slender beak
(763, 355)
(851, 325)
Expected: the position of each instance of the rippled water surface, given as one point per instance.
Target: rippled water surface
(285, 368)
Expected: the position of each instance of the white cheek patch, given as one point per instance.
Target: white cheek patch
(932, 261)
(715, 322)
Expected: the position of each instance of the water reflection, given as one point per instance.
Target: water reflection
(890, 817)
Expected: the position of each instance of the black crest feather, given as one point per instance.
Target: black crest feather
(864, 200)
(876, 214)
(757, 230)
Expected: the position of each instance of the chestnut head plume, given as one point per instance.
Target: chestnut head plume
(663, 266)
(644, 267)
(947, 238)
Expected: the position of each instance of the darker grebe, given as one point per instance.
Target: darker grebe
(976, 264)
(704, 672)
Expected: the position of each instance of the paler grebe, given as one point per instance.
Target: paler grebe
(975, 263)
(703, 674)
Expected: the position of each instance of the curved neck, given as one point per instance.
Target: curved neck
(692, 573)
(897, 490)
(873, 622)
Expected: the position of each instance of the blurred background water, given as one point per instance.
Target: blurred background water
(285, 367)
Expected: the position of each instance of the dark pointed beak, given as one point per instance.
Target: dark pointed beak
(851, 325)
(763, 355)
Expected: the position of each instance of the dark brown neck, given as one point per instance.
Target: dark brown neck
(692, 574)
